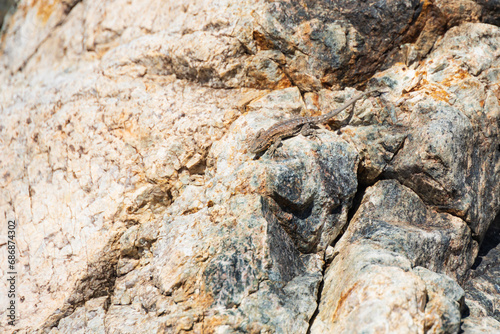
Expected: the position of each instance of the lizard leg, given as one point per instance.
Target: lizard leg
(347, 120)
(307, 131)
(272, 149)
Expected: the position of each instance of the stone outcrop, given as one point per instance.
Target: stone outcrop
(123, 161)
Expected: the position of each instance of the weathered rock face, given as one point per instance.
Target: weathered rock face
(123, 133)
(452, 150)
(482, 285)
(380, 259)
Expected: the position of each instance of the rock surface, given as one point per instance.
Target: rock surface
(482, 287)
(380, 259)
(123, 135)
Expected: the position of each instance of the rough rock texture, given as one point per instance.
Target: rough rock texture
(123, 135)
(483, 285)
(451, 149)
(391, 233)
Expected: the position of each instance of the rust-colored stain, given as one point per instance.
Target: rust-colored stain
(262, 42)
(315, 101)
(436, 91)
(189, 211)
(45, 8)
(306, 34)
(243, 188)
(440, 94)
(343, 297)
(283, 83)
(459, 75)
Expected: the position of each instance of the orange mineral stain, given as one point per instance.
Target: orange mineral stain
(45, 8)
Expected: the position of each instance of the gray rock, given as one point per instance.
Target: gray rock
(490, 11)
(319, 41)
(451, 148)
(481, 325)
(396, 219)
(483, 286)
(446, 302)
(309, 194)
(392, 232)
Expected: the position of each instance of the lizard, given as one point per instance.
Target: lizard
(271, 138)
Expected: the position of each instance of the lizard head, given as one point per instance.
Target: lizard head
(258, 143)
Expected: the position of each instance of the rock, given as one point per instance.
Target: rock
(378, 286)
(390, 234)
(372, 131)
(481, 289)
(308, 199)
(452, 132)
(396, 219)
(82, 322)
(124, 131)
(234, 44)
(457, 12)
(320, 40)
(445, 302)
(377, 146)
(490, 11)
(480, 325)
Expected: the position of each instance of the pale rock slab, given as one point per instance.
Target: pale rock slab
(123, 128)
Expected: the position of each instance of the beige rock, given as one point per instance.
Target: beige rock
(123, 135)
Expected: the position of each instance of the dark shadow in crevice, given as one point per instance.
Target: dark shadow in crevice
(318, 299)
(491, 240)
(356, 202)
